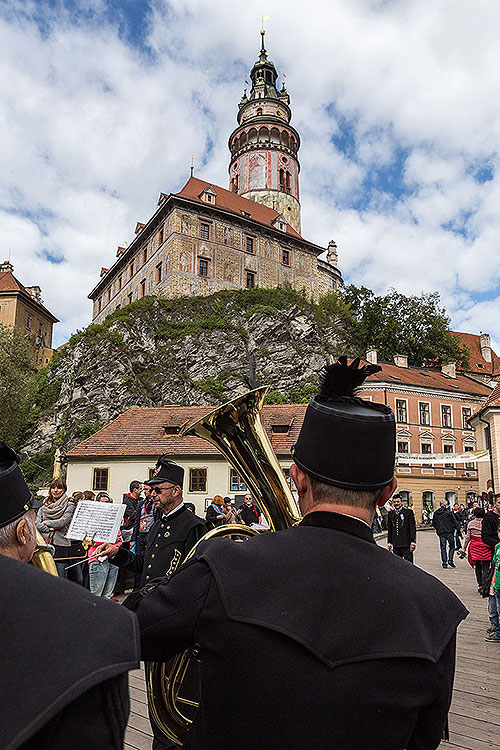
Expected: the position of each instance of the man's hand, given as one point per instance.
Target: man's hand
(413, 546)
(389, 547)
(106, 550)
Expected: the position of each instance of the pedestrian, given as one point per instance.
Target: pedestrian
(493, 635)
(231, 514)
(214, 514)
(53, 520)
(401, 530)
(447, 526)
(317, 677)
(130, 500)
(478, 553)
(145, 518)
(65, 654)
(169, 540)
(250, 511)
(102, 573)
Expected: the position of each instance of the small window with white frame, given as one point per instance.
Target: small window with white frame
(448, 448)
(100, 479)
(236, 483)
(466, 414)
(401, 410)
(424, 413)
(403, 447)
(446, 415)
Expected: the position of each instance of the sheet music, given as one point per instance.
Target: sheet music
(97, 521)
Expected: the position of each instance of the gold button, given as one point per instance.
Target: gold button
(147, 578)
(162, 525)
(149, 567)
(168, 527)
(153, 554)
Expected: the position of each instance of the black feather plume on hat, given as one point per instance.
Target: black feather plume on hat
(341, 380)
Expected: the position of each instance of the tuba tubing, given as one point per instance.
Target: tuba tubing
(236, 429)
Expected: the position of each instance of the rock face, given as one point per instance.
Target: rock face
(187, 351)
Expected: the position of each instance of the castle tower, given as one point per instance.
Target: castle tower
(264, 165)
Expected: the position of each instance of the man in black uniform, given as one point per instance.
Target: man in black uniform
(65, 653)
(401, 530)
(322, 675)
(168, 542)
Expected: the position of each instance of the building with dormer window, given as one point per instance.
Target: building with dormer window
(206, 238)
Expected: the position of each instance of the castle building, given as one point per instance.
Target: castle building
(206, 238)
(22, 307)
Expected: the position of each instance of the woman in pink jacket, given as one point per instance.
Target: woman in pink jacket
(479, 554)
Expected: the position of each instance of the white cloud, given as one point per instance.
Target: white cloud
(94, 128)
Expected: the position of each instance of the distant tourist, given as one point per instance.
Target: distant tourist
(447, 526)
(250, 511)
(214, 514)
(478, 553)
(401, 530)
(493, 635)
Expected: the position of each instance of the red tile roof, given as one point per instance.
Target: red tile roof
(232, 202)
(493, 400)
(9, 283)
(426, 378)
(477, 362)
(139, 432)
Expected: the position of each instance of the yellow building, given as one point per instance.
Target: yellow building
(23, 308)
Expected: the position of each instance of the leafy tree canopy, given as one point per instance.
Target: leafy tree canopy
(16, 376)
(416, 326)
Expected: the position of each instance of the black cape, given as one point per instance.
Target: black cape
(57, 642)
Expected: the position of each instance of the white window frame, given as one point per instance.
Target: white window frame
(396, 409)
(450, 426)
(429, 424)
(462, 415)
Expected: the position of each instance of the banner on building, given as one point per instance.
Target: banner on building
(443, 458)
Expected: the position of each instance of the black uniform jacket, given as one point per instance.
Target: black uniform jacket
(168, 542)
(312, 637)
(401, 528)
(65, 654)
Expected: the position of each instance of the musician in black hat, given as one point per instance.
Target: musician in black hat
(171, 537)
(401, 530)
(65, 653)
(350, 650)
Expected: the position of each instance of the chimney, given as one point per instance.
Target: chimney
(401, 360)
(35, 292)
(485, 346)
(104, 272)
(449, 369)
(371, 356)
(6, 266)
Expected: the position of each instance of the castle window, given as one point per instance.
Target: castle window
(250, 243)
(29, 320)
(204, 231)
(158, 273)
(202, 267)
(109, 294)
(131, 270)
(234, 184)
(285, 257)
(250, 279)
(129, 298)
(119, 282)
(160, 237)
(145, 254)
(143, 288)
(282, 179)
(288, 181)
(259, 111)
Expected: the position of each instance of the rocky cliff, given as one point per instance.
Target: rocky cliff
(185, 351)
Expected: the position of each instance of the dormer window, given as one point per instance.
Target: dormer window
(208, 196)
(171, 429)
(280, 428)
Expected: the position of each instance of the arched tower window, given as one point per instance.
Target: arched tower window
(275, 135)
(284, 138)
(263, 135)
(259, 111)
(252, 136)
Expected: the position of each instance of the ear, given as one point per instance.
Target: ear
(23, 533)
(387, 492)
(299, 479)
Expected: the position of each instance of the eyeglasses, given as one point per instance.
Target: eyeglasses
(158, 490)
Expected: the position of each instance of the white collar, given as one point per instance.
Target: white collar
(177, 507)
(356, 519)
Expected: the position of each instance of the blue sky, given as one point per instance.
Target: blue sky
(103, 102)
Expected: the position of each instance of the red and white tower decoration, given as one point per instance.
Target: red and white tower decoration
(264, 164)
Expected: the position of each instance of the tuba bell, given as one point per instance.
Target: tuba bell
(236, 429)
(42, 556)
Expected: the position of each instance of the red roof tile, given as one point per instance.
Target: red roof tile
(493, 400)
(232, 202)
(139, 432)
(477, 362)
(426, 378)
(9, 283)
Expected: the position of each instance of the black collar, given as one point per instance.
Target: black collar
(339, 522)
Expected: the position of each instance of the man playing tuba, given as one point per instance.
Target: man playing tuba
(349, 650)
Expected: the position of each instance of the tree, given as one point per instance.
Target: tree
(16, 376)
(396, 324)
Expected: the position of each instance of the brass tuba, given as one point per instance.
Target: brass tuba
(236, 429)
(42, 556)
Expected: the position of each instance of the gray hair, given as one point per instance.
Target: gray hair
(327, 493)
(444, 503)
(7, 533)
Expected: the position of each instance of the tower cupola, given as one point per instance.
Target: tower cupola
(264, 164)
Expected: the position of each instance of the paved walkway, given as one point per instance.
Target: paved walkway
(475, 711)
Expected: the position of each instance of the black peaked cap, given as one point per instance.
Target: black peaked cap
(15, 496)
(167, 471)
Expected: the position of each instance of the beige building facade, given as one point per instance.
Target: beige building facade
(23, 308)
(486, 422)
